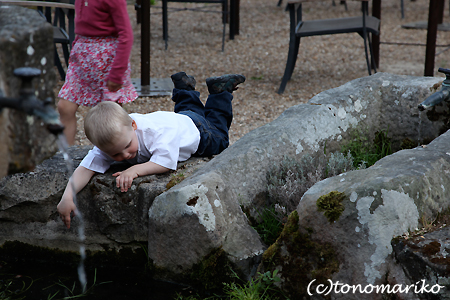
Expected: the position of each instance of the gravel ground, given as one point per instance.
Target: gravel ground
(260, 50)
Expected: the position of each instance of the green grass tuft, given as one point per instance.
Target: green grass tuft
(366, 152)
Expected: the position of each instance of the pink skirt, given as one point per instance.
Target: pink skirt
(89, 66)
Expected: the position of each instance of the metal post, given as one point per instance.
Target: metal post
(145, 46)
(441, 7)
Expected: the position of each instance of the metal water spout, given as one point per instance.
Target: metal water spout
(442, 95)
(30, 104)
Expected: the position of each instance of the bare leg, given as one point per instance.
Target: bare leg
(67, 111)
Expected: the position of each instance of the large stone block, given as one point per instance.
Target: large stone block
(26, 40)
(379, 203)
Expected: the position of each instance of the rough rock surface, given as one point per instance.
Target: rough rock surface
(238, 175)
(424, 258)
(203, 214)
(381, 202)
(111, 219)
(26, 40)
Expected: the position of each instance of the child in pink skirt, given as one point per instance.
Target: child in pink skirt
(99, 67)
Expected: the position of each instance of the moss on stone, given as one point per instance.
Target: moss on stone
(408, 143)
(300, 259)
(270, 253)
(212, 271)
(206, 277)
(176, 179)
(331, 205)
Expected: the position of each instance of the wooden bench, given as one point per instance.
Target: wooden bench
(56, 13)
(363, 25)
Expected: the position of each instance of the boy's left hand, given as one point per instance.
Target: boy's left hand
(124, 179)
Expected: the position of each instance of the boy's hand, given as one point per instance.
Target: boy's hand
(124, 179)
(65, 209)
(77, 181)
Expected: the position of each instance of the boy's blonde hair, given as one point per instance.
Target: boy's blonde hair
(105, 122)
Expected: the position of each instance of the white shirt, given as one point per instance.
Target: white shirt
(164, 138)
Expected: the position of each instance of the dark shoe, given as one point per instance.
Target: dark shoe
(229, 82)
(182, 81)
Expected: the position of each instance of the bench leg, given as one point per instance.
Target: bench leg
(372, 59)
(367, 54)
(223, 36)
(225, 21)
(365, 36)
(294, 45)
(65, 48)
(225, 12)
(403, 9)
(59, 65)
(165, 22)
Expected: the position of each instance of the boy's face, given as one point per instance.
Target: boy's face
(126, 146)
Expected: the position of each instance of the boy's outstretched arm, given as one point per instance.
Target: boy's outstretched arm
(77, 181)
(125, 178)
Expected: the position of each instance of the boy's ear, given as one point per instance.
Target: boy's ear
(133, 124)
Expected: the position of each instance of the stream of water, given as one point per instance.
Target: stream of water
(63, 147)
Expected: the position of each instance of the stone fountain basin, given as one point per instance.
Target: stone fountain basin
(201, 219)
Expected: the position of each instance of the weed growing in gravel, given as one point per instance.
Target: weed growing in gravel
(272, 222)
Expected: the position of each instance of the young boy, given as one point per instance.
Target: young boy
(153, 143)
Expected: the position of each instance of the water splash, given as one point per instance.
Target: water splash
(63, 147)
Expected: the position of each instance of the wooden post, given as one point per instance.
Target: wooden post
(434, 14)
(234, 18)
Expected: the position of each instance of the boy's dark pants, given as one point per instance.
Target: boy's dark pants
(213, 119)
